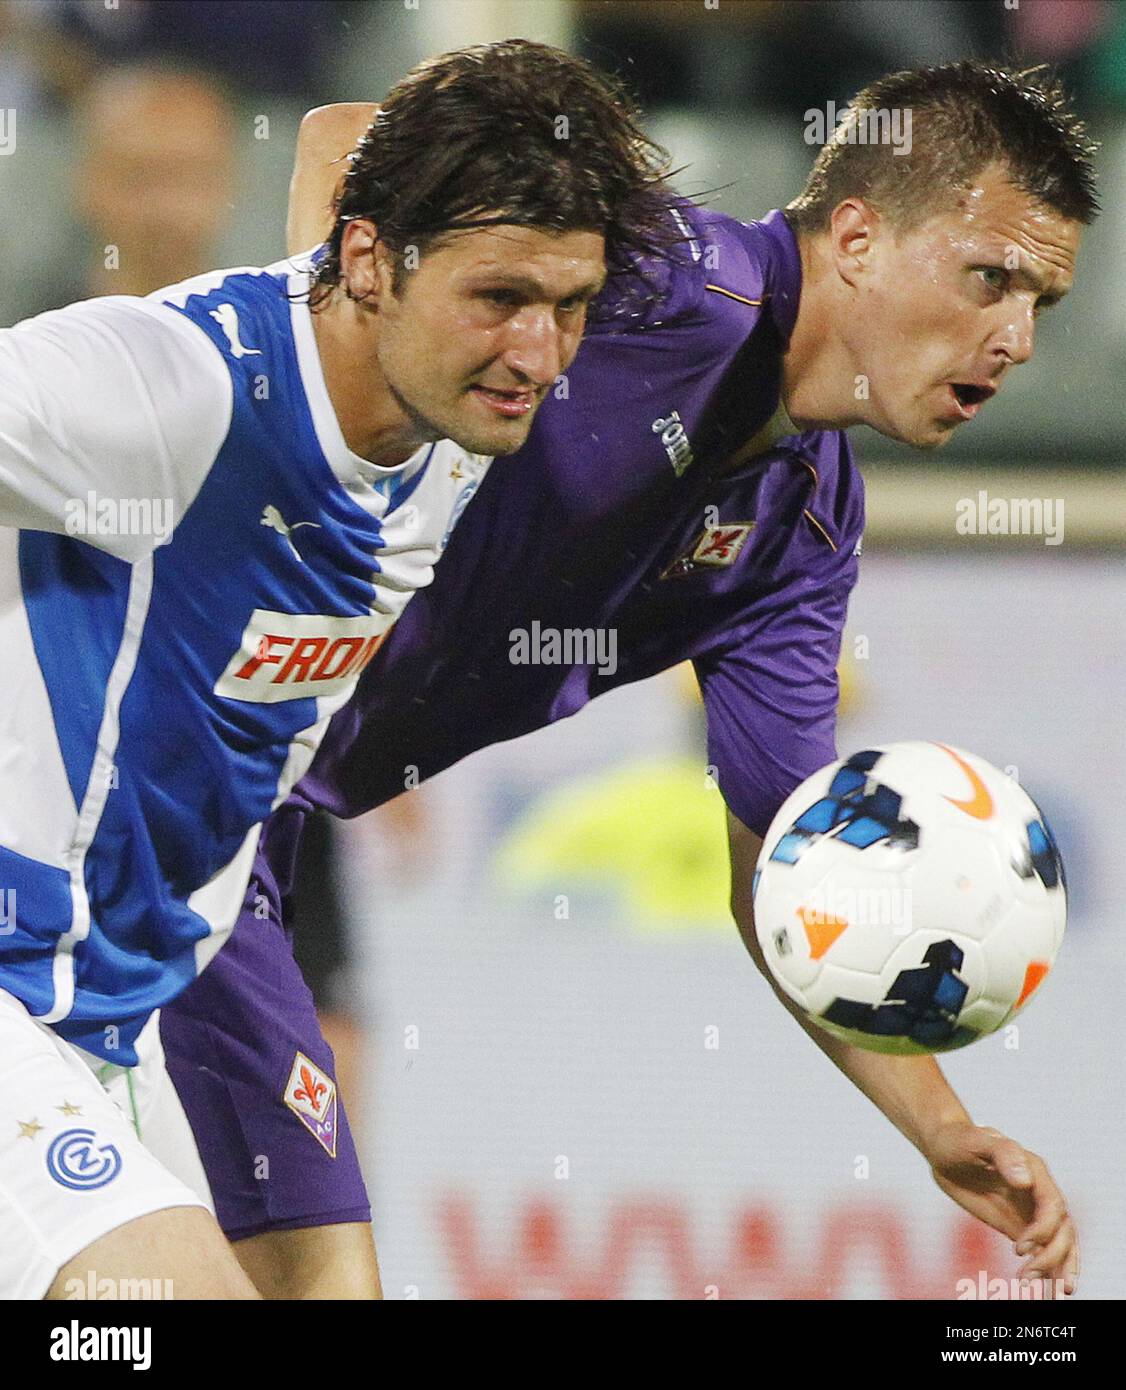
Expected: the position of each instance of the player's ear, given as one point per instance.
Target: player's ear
(365, 268)
(853, 227)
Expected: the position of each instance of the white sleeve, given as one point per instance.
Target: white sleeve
(119, 397)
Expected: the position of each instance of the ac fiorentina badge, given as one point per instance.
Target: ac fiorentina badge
(715, 548)
(311, 1095)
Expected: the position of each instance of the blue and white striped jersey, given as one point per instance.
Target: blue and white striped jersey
(194, 569)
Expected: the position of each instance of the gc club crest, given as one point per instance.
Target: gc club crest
(77, 1160)
(311, 1095)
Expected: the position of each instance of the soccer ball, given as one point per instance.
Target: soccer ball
(910, 898)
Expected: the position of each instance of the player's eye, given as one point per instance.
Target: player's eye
(1000, 277)
(509, 299)
(573, 304)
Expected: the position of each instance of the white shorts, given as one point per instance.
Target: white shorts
(85, 1146)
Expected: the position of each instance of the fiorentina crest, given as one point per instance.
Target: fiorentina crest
(311, 1095)
(716, 547)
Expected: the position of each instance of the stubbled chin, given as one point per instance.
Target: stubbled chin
(498, 444)
(933, 436)
(500, 449)
(939, 440)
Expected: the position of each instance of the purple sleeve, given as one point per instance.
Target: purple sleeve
(771, 694)
(772, 708)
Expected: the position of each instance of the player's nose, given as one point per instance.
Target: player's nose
(1015, 339)
(535, 348)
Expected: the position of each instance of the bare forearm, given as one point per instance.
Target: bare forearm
(911, 1091)
(327, 135)
(988, 1175)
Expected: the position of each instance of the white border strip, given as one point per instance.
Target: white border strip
(917, 505)
(98, 789)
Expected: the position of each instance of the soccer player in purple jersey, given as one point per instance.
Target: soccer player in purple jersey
(695, 492)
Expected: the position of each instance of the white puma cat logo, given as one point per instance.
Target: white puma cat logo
(273, 518)
(227, 319)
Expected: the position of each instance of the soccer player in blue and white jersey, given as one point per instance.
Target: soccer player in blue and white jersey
(695, 493)
(214, 504)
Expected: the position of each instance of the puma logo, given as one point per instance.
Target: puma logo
(273, 518)
(227, 319)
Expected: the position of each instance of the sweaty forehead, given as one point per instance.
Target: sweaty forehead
(995, 214)
(533, 262)
(525, 249)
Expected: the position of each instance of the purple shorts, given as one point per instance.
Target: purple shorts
(257, 1081)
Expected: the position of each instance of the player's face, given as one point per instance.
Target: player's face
(482, 329)
(948, 308)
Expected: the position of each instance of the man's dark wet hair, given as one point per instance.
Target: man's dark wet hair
(965, 117)
(505, 133)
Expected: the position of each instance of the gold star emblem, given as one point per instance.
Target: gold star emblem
(68, 1109)
(455, 472)
(29, 1128)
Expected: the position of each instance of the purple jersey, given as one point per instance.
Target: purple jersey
(621, 514)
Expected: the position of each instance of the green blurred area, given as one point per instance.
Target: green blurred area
(647, 841)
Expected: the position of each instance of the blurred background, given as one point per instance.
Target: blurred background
(567, 1077)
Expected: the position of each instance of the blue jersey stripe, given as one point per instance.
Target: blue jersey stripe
(75, 598)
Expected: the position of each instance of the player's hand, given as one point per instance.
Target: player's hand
(1011, 1190)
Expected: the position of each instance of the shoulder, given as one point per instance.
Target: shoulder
(813, 493)
(713, 281)
(119, 347)
(117, 395)
(245, 311)
(839, 490)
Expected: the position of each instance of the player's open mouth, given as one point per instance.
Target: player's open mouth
(509, 403)
(968, 398)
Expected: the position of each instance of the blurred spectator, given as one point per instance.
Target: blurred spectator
(1058, 30)
(144, 194)
(20, 84)
(153, 178)
(40, 69)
